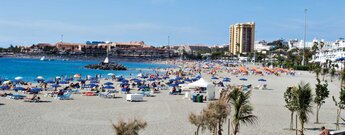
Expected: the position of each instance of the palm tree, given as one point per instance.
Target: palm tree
(304, 100)
(241, 108)
(291, 102)
(131, 127)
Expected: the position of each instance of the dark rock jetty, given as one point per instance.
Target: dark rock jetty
(106, 66)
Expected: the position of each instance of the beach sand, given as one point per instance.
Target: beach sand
(165, 114)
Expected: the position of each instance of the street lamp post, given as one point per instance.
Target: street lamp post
(305, 35)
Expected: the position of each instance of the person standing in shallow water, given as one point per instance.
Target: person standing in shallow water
(324, 131)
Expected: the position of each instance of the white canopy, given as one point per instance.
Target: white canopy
(199, 83)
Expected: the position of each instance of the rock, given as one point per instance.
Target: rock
(106, 66)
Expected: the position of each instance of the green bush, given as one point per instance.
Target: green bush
(300, 67)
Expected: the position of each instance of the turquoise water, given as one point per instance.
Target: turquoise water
(29, 69)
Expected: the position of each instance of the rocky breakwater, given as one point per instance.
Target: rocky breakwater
(106, 66)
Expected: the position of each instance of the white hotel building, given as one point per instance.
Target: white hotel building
(330, 51)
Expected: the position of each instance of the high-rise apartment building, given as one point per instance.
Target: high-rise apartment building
(242, 38)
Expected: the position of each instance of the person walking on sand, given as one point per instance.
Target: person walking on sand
(324, 131)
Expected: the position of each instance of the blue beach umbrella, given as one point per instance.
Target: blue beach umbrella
(92, 85)
(165, 77)
(63, 82)
(49, 81)
(152, 79)
(4, 87)
(108, 83)
(55, 85)
(18, 88)
(142, 86)
(262, 80)
(108, 87)
(69, 79)
(173, 85)
(35, 89)
(195, 79)
(188, 80)
(243, 79)
(93, 81)
(214, 78)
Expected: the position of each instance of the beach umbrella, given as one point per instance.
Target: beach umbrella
(165, 77)
(15, 81)
(63, 82)
(243, 79)
(108, 87)
(77, 76)
(80, 80)
(226, 80)
(214, 78)
(262, 80)
(4, 87)
(173, 85)
(151, 79)
(142, 86)
(49, 81)
(18, 88)
(92, 85)
(7, 82)
(35, 89)
(55, 85)
(58, 77)
(69, 79)
(108, 83)
(195, 79)
(39, 78)
(188, 80)
(111, 74)
(178, 78)
(18, 78)
(93, 81)
(137, 81)
(140, 75)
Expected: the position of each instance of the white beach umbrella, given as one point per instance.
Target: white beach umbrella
(40, 77)
(111, 74)
(18, 78)
(58, 77)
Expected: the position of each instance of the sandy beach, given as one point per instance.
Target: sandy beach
(166, 114)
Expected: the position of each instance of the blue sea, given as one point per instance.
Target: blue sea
(29, 69)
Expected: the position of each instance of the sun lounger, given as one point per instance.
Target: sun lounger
(107, 95)
(16, 96)
(64, 97)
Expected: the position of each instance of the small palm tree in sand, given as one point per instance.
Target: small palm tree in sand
(131, 127)
(241, 108)
(304, 101)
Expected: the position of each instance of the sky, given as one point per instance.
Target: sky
(26, 22)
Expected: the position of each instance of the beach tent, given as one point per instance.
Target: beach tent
(199, 83)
